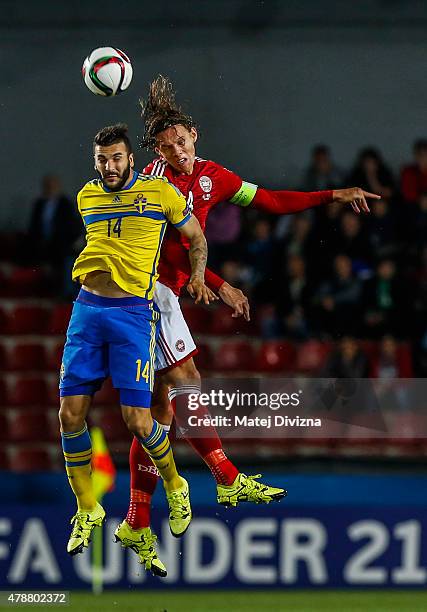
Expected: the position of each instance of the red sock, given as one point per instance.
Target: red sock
(143, 480)
(210, 448)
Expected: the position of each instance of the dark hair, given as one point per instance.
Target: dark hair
(112, 134)
(161, 111)
(320, 149)
(420, 145)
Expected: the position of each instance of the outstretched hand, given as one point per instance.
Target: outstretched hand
(200, 292)
(356, 197)
(236, 299)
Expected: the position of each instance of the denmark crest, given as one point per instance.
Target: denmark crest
(180, 345)
(205, 183)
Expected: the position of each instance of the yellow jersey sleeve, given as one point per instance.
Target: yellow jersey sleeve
(174, 205)
(79, 200)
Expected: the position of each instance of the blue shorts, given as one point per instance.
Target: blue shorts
(111, 337)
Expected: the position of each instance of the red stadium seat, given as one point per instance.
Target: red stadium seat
(203, 359)
(404, 360)
(25, 282)
(311, 356)
(3, 321)
(107, 395)
(53, 424)
(31, 391)
(3, 393)
(26, 357)
(3, 357)
(59, 319)
(275, 356)
(223, 324)
(197, 317)
(113, 425)
(52, 397)
(234, 356)
(4, 427)
(370, 348)
(3, 284)
(54, 356)
(27, 320)
(31, 460)
(30, 426)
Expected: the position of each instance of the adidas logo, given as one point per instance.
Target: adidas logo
(116, 199)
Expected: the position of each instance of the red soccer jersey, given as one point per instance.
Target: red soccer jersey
(209, 184)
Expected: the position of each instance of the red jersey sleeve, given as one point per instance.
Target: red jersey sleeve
(213, 281)
(228, 183)
(286, 202)
(242, 193)
(176, 258)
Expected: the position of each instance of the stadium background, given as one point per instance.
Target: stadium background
(266, 82)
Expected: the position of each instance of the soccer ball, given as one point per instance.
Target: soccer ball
(107, 71)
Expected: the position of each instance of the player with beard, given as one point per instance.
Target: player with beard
(172, 134)
(114, 325)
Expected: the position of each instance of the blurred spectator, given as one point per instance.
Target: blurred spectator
(294, 298)
(325, 231)
(54, 229)
(386, 365)
(347, 361)
(260, 258)
(381, 230)
(322, 173)
(386, 300)
(414, 176)
(416, 224)
(371, 173)
(222, 233)
(338, 300)
(233, 273)
(300, 239)
(353, 240)
(418, 312)
(391, 362)
(268, 321)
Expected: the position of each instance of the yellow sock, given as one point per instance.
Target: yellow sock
(160, 452)
(77, 449)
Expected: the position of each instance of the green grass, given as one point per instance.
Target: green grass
(139, 600)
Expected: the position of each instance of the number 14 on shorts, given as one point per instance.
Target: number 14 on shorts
(142, 372)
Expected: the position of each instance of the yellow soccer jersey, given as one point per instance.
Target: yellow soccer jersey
(125, 229)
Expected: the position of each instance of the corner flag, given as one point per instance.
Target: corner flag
(103, 475)
(103, 470)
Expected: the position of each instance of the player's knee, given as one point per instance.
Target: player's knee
(185, 373)
(138, 421)
(162, 412)
(71, 414)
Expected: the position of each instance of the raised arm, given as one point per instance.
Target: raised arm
(287, 202)
(282, 202)
(197, 254)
